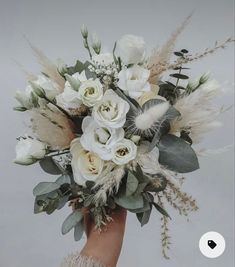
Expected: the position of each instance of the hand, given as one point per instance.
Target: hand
(105, 246)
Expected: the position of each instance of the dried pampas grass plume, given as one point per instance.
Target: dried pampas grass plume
(48, 67)
(160, 57)
(194, 117)
(52, 127)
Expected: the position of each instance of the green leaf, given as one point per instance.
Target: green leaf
(63, 179)
(141, 187)
(131, 184)
(62, 202)
(45, 188)
(140, 175)
(144, 216)
(71, 221)
(179, 54)
(177, 155)
(130, 202)
(179, 76)
(50, 166)
(161, 210)
(78, 231)
(185, 51)
(43, 202)
(79, 66)
(146, 207)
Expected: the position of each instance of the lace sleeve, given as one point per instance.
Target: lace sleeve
(76, 260)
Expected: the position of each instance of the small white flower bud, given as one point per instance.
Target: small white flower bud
(84, 31)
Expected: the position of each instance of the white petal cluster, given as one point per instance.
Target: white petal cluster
(29, 150)
(134, 81)
(111, 110)
(131, 49)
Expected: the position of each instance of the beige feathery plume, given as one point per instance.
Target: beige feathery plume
(108, 184)
(48, 67)
(52, 127)
(195, 118)
(160, 57)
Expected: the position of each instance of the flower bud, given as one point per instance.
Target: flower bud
(84, 31)
(38, 90)
(75, 83)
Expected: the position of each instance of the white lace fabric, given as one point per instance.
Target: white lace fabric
(76, 260)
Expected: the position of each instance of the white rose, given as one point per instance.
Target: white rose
(111, 110)
(29, 150)
(50, 87)
(99, 139)
(134, 81)
(86, 165)
(123, 152)
(131, 49)
(91, 92)
(103, 59)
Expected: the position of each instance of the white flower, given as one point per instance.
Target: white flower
(70, 98)
(103, 59)
(148, 161)
(29, 150)
(134, 81)
(111, 110)
(26, 98)
(123, 152)
(131, 49)
(99, 139)
(50, 87)
(86, 165)
(90, 92)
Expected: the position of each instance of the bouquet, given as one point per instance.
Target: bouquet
(117, 131)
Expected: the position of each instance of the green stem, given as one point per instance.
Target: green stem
(58, 107)
(88, 47)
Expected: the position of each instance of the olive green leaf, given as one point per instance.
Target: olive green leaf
(71, 221)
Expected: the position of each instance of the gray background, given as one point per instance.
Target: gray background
(27, 240)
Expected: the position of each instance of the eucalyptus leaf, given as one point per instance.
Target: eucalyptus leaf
(146, 207)
(63, 179)
(131, 184)
(177, 155)
(160, 209)
(78, 231)
(179, 76)
(49, 165)
(130, 202)
(71, 221)
(144, 216)
(45, 188)
(62, 202)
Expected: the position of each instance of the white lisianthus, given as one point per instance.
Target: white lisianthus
(131, 49)
(134, 81)
(111, 110)
(103, 59)
(50, 87)
(99, 139)
(70, 98)
(123, 152)
(86, 165)
(29, 150)
(90, 92)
